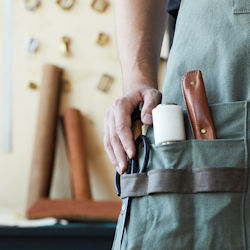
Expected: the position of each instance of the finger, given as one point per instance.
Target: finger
(117, 146)
(123, 128)
(152, 98)
(107, 142)
(109, 150)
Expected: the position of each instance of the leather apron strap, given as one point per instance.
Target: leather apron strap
(209, 179)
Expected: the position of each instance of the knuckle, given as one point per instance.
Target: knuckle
(152, 98)
(119, 103)
(121, 127)
(107, 144)
(114, 137)
(153, 92)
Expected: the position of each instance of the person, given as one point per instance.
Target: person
(140, 29)
(214, 37)
(140, 69)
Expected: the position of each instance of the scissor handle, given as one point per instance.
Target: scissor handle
(135, 168)
(117, 183)
(133, 164)
(118, 178)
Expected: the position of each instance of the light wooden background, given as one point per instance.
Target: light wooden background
(84, 69)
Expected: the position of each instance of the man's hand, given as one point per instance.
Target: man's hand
(118, 137)
(140, 26)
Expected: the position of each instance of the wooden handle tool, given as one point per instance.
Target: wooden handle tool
(199, 114)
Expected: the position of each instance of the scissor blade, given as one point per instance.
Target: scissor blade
(124, 213)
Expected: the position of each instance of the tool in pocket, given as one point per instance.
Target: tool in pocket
(133, 167)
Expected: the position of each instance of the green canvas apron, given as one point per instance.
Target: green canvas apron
(195, 194)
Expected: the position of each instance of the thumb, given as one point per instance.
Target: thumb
(151, 98)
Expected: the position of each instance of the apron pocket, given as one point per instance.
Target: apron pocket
(192, 154)
(191, 166)
(206, 218)
(192, 196)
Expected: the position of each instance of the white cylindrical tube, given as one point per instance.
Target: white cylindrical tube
(168, 123)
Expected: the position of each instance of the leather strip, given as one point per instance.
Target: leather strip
(209, 179)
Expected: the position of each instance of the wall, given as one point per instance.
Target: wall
(83, 69)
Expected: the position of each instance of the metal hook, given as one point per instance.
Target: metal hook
(65, 46)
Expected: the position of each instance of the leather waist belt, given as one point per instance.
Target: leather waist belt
(210, 179)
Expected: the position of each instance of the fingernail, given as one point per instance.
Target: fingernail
(147, 119)
(130, 153)
(121, 167)
(118, 170)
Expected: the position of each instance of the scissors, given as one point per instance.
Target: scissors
(136, 128)
(133, 167)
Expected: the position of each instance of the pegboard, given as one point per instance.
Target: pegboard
(83, 69)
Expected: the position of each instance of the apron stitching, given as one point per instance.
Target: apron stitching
(248, 46)
(247, 167)
(194, 238)
(147, 219)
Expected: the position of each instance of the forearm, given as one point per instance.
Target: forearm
(140, 26)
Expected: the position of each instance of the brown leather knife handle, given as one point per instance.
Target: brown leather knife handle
(194, 93)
